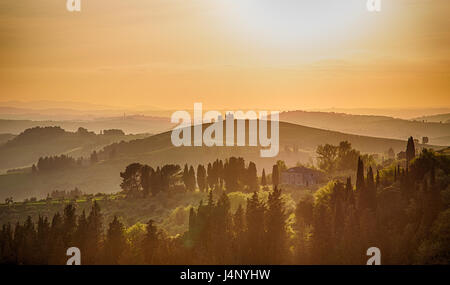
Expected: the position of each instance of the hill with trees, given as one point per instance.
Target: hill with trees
(402, 211)
(26, 148)
(130, 124)
(298, 144)
(375, 126)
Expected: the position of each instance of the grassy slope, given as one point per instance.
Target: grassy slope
(27, 151)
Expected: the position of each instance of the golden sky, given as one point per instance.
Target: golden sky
(246, 54)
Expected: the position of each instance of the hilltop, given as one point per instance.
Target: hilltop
(26, 148)
(135, 124)
(444, 118)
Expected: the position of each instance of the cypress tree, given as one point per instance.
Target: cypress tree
(255, 245)
(263, 178)
(151, 243)
(410, 150)
(276, 228)
(192, 181)
(360, 186)
(201, 178)
(115, 242)
(378, 179)
(252, 177)
(275, 175)
(371, 190)
(185, 177)
(69, 225)
(360, 176)
(94, 234)
(349, 197)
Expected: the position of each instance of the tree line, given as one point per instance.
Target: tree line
(231, 175)
(61, 162)
(53, 163)
(333, 158)
(403, 211)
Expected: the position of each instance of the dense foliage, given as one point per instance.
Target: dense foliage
(404, 212)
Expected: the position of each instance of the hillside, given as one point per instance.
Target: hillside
(444, 118)
(129, 124)
(367, 125)
(25, 149)
(5, 137)
(158, 150)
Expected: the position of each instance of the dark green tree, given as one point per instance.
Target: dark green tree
(275, 175)
(94, 235)
(191, 179)
(201, 178)
(252, 177)
(69, 225)
(131, 179)
(263, 178)
(410, 150)
(115, 243)
(145, 178)
(276, 228)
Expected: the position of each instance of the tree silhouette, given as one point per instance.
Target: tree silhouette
(275, 175)
(201, 178)
(115, 242)
(263, 178)
(410, 150)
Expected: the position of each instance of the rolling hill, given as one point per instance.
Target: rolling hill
(440, 118)
(5, 137)
(158, 150)
(368, 125)
(129, 124)
(26, 148)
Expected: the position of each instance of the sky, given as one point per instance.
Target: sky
(239, 54)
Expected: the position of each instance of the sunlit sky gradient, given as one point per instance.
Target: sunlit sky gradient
(247, 54)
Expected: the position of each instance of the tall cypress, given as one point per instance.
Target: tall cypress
(276, 228)
(371, 190)
(275, 175)
(360, 176)
(410, 150)
(115, 242)
(192, 181)
(263, 178)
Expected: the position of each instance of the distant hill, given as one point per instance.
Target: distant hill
(5, 137)
(26, 148)
(158, 150)
(129, 124)
(440, 118)
(402, 113)
(441, 140)
(367, 125)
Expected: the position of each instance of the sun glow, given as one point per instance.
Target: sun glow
(294, 23)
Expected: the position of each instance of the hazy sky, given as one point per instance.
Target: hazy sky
(273, 54)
